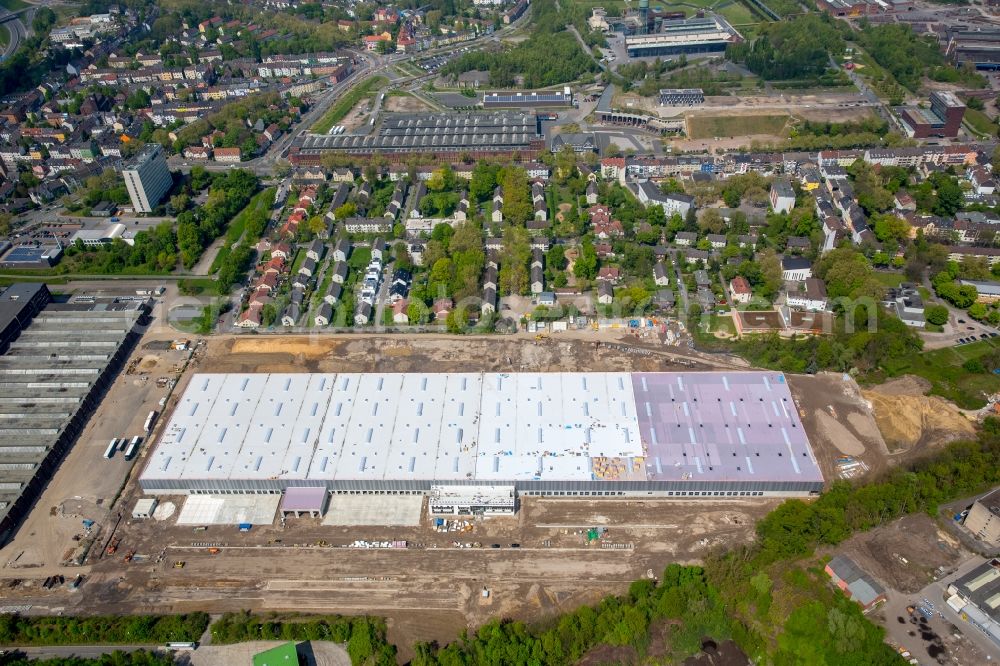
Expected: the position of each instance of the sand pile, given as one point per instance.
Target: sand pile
(907, 419)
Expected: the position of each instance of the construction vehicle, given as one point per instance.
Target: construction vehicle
(541, 336)
(129, 555)
(179, 564)
(213, 551)
(113, 546)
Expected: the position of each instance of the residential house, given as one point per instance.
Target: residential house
(902, 200)
(489, 303)
(782, 196)
(333, 293)
(661, 276)
(291, 314)
(810, 295)
(363, 315)
(692, 256)
(282, 249)
(316, 250)
(795, 269)
(610, 273)
(981, 180)
(705, 298)
(442, 308)
(228, 155)
(400, 312)
(718, 241)
(740, 292)
(308, 267)
(490, 278)
(342, 250)
(649, 194)
(250, 318)
(798, 244)
(685, 238)
(664, 299)
(324, 315)
(197, 153)
(339, 272)
(605, 293)
(592, 193)
(537, 279)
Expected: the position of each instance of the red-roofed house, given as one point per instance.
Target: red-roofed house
(250, 318)
(609, 274)
(739, 290)
(612, 167)
(442, 308)
(606, 229)
(283, 250)
(267, 281)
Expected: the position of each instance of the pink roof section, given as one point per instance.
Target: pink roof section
(304, 498)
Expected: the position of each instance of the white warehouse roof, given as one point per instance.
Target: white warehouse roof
(487, 427)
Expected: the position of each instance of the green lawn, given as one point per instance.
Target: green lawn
(738, 14)
(344, 105)
(943, 369)
(707, 127)
(980, 122)
(298, 260)
(889, 279)
(722, 324)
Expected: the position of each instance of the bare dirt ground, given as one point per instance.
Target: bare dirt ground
(387, 353)
(911, 421)
(820, 106)
(838, 421)
(405, 104)
(906, 554)
(356, 116)
(430, 590)
(914, 558)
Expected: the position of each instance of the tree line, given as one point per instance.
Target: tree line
(116, 658)
(100, 629)
(550, 56)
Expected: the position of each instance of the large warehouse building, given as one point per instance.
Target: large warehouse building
(597, 434)
(499, 134)
(54, 373)
(693, 36)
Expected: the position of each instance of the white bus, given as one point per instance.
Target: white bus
(112, 447)
(150, 420)
(180, 645)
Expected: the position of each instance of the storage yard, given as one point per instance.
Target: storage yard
(54, 373)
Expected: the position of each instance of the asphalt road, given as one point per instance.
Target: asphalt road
(17, 33)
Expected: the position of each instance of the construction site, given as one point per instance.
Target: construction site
(431, 572)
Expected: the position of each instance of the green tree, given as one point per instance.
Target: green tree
(586, 264)
(936, 314)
